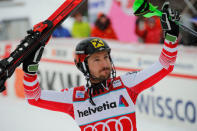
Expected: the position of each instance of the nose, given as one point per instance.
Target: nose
(105, 63)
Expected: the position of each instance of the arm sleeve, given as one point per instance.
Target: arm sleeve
(51, 100)
(139, 81)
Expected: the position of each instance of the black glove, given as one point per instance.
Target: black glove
(2, 85)
(30, 64)
(168, 22)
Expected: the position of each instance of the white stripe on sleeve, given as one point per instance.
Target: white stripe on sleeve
(63, 97)
(30, 83)
(132, 79)
(170, 49)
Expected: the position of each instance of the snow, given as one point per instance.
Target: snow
(18, 115)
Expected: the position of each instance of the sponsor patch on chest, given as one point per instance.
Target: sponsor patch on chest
(96, 109)
(80, 94)
(109, 105)
(117, 83)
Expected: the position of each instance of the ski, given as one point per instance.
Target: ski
(39, 34)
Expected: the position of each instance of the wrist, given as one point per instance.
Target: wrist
(170, 37)
(30, 68)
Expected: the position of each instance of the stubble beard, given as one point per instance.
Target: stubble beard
(102, 77)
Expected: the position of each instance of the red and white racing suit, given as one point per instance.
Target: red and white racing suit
(115, 107)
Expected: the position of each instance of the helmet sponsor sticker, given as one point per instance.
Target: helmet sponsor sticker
(97, 43)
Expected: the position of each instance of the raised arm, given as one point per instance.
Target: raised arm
(139, 81)
(51, 100)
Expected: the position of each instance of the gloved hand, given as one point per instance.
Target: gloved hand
(169, 16)
(30, 64)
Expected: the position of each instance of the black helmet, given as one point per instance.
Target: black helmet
(86, 48)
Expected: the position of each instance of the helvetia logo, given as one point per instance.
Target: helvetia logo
(90, 111)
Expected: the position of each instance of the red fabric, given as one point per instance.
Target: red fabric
(54, 106)
(126, 125)
(170, 45)
(169, 60)
(107, 33)
(149, 34)
(151, 81)
(33, 95)
(169, 53)
(30, 78)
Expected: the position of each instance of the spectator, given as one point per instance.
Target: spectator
(149, 30)
(60, 31)
(103, 28)
(80, 28)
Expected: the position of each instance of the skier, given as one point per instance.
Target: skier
(106, 102)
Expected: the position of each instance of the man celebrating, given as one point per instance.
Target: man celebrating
(106, 102)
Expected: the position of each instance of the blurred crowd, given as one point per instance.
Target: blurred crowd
(142, 30)
(80, 28)
(148, 30)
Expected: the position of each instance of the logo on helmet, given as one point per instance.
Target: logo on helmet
(97, 43)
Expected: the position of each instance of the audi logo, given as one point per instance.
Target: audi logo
(106, 124)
